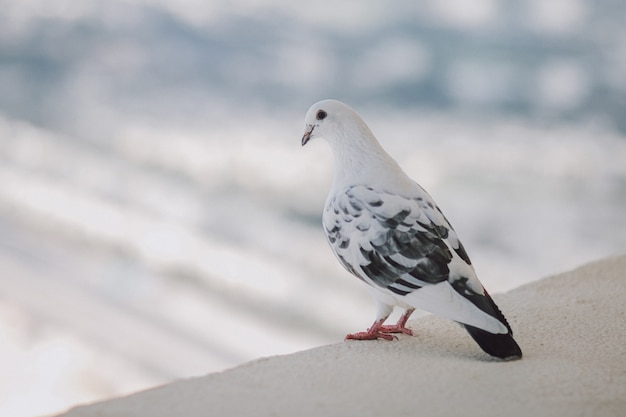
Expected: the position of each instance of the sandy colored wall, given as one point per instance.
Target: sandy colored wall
(571, 327)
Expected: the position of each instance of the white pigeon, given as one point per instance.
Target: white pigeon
(387, 231)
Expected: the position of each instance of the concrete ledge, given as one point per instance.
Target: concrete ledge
(571, 327)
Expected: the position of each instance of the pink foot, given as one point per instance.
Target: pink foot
(396, 328)
(369, 335)
(372, 333)
(380, 331)
(400, 326)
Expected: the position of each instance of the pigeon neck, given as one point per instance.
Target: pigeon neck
(360, 159)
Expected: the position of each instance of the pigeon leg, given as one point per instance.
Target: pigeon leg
(372, 333)
(400, 326)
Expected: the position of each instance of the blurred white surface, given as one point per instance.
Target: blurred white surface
(125, 270)
(159, 219)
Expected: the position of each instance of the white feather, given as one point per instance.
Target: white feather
(443, 301)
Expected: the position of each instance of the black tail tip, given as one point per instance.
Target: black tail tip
(501, 346)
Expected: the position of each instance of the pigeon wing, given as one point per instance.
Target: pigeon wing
(407, 246)
(396, 242)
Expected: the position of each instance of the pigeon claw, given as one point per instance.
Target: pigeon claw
(396, 328)
(369, 335)
(381, 331)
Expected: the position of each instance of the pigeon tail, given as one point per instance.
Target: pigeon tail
(501, 345)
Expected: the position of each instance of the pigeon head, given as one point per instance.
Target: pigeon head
(331, 120)
(358, 156)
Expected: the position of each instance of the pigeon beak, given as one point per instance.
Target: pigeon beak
(307, 134)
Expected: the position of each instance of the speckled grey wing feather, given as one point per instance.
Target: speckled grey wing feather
(403, 244)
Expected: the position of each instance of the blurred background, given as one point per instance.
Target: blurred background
(160, 220)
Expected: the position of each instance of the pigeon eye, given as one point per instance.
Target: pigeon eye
(321, 115)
